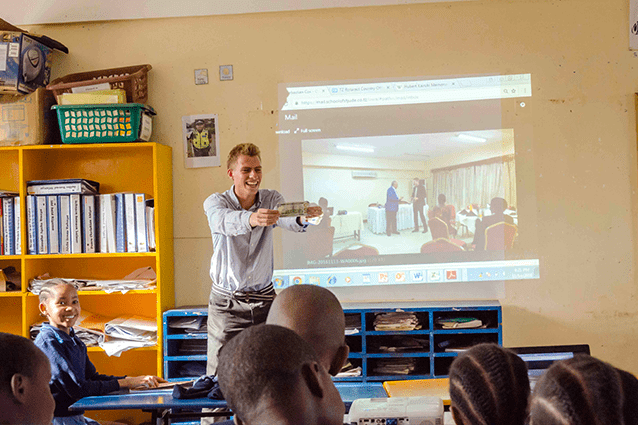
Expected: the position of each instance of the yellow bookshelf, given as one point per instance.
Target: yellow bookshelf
(118, 167)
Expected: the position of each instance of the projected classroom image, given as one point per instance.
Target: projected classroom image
(372, 189)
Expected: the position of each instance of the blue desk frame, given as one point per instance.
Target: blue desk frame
(163, 406)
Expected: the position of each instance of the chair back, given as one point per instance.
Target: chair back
(438, 228)
(440, 245)
(320, 240)
(356, 250)
(500, 236)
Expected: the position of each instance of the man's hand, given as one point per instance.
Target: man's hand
(313, 215)
(264, 217)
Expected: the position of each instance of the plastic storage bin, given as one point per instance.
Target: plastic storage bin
(133, 79)
(122, 122)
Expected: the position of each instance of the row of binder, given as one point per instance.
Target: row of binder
(10, 239)
(81, 223)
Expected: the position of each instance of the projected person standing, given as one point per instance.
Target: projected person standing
(391, 208)
(242, 220)
(418, 202)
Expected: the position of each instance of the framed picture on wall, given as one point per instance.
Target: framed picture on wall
(201, 142)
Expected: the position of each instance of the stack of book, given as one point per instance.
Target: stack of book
(70, 216)
(10, 239)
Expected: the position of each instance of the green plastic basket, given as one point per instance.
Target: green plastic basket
(120, 122)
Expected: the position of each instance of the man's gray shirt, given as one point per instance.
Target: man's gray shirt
(242, 255)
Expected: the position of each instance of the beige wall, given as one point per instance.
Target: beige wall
(584, 80)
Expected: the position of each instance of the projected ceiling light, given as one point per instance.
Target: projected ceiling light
(354, 148)
(468, 138)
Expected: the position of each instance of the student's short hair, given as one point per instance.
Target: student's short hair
(262, 362)
(585, 390)
(46, 292)
(247, 149)
(19, 355)
(489, 384)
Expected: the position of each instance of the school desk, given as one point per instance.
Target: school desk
(163, 406)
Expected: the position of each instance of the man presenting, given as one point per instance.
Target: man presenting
(241, 222)
(418, 202)
(391, 208)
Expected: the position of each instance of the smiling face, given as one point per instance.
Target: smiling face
(246, 175)
(62, 308)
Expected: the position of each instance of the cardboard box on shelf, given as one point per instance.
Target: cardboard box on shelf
(25, 59)
(28, 119)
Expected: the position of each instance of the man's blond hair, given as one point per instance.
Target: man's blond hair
(247, 149)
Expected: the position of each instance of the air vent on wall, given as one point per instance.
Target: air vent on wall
(364, 174)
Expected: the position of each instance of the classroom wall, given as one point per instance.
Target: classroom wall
(583, 78)
(326, 175)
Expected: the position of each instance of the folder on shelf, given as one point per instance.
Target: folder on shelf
(65, 224)
(438, 387)
(53, 224)
(62, 187)
(88, 223)
(120, 234)
(129, 218)
(32, 247)
(1, 230)
(7, 226)
(75, 216)
(17, 220)
(150, 223)
(107, 223)
(140, 222)
(41, 230)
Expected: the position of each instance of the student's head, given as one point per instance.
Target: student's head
(25, 397)
(315, 314)
(442, 199)
(489, 385)
(269, 374)
(60, 304)
(584, 390)
(498, 205)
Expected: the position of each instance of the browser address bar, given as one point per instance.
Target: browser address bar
(300, 98)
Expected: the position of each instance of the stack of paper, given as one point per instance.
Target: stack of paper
(94, 97)
(402, 344)
(395, 366)
(396, 321)
(140, 279)
(459, 322)
(127, 332)
(189, 324)
(348, 370)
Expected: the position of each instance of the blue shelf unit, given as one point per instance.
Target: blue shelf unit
(184, 350)
(429, 358)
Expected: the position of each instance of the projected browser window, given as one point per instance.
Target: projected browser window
(421, 181)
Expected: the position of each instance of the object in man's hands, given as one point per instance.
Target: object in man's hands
(293, 209)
